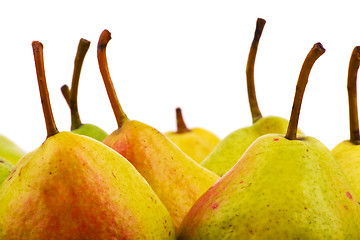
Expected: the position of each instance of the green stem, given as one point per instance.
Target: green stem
(352, 95)
(254, 108)
(44, 93)
(316, 51)
(104, 70)
(181, 126)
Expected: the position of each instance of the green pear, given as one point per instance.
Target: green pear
(283, 187)
(177, 179)
(197, 142)
(230, 149)
(347, 152)
(70, 96)
(74, 187)
(5, 169)
(9, 150)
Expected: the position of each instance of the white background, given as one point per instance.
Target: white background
(188, 53)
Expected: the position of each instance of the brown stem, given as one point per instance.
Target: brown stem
(254, 108)
(316, 51)
(73, 104)
(66, 93)
(104, 70)
(44, 94)
(181, 126)
(351, 87)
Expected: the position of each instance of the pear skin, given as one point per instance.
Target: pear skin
(280, 189)
(176, 179)
(347, 155)
(92, 131)
(230, 149)
(10, 150)
(73, 187)
(5, 169)
(347, 152)
(197, 143)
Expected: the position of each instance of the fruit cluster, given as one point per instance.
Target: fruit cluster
(265, 181)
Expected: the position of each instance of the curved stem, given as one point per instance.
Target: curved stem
(104, 69)
(44, 94)
(254, 108)
(316, 51)
(352, 96)
(181, 126)
(79, 59)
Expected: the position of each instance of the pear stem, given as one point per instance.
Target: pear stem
(316, 51)
(44, 93)
(181, 126)
(254, 108)
(71, 95)
(352, 95)
(66, 93)
(104, 70)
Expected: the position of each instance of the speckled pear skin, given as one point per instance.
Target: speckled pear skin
(347, 155)
(10, 150)
(176, 179)
(82, 190)
(92, 131)
(280, 189)
(5, 169)
(230, 149)
(197, 143)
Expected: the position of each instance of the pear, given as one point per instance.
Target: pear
(283, 187)
(197, 142)
(229, 150)
(70, 96)
(74, 187)
(5, 169)
(9, 150)
(347, 152)
(177, 179)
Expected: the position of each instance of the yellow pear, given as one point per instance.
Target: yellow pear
(74, 187)
(177, 179)
(283, 187)
(197, 142)
(347, 152)
(230, 149)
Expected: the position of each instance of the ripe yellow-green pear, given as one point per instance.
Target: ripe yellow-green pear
(70, 96)
(9, 150)
(347, 152)
(230, 149)
(283, 187)
(177, 179)
(197, 142)
(74, 187)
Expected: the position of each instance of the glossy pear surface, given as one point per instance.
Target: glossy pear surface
(5, 169)
(92, 131)
(9, 150)
(197, 143)
(280, 189)
(176, 179)
(230, 149)
(347, 155)
(73, 187)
